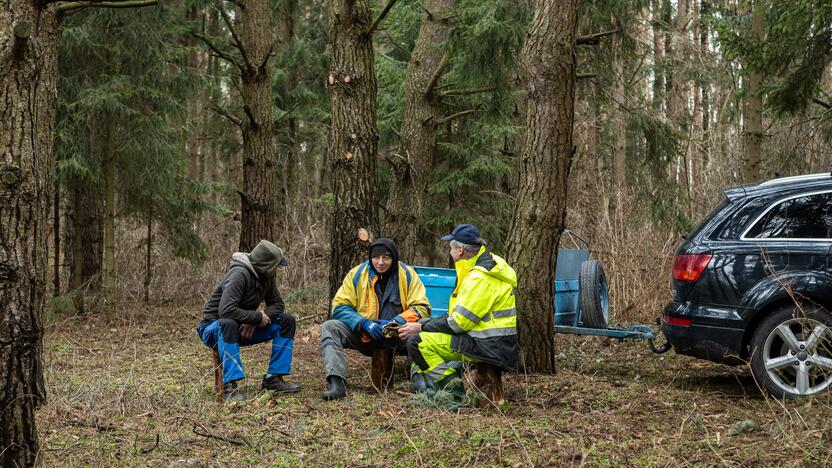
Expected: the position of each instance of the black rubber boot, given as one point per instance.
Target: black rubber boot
(276, 383)
(337, 388)
(230, 393)
(418, 384)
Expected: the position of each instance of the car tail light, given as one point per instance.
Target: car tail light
(682, 322)
(689, 267)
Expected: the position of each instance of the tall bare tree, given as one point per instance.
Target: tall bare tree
(548, 62)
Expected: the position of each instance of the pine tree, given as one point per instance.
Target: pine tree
(29, 60)
(548, 62)
(353, 138)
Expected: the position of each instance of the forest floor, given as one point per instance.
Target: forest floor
(136, 389)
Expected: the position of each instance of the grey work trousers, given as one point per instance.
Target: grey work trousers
(335, 336)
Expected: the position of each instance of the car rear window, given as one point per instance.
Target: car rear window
(806, 216)
(707, 220)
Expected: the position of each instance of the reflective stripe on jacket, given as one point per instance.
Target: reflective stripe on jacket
(356, 299)
(482, 311)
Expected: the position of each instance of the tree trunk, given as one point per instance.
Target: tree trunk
(29, 39)
(86, 233)
(109, 266)
(658, 53)
(353, 137)
(258, 191)
(195, 104)
(56, 240)
(413, 162)
(753, 109)
(705, 89)
(619, 118)
(548, 61)
(677, 104)
(285, 38)
(148, 271)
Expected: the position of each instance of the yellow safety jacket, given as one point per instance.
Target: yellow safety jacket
(356, 299)
(482, 311)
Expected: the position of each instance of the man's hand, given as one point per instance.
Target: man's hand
(264, 320)
(409, 329)
(246, 330)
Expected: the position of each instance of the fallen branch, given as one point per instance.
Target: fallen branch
(207, 435)
(95, 425)
(584, 76)
(151, 448)
(825, 105)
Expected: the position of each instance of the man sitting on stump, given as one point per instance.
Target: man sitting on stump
(481, 324)
(374, 294)
(230, 318)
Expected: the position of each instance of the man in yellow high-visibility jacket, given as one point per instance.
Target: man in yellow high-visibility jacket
(378, 292)
(481, 324)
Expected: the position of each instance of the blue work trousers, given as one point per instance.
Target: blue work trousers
(224, 335)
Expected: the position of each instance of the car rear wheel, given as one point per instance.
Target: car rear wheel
(792, 352)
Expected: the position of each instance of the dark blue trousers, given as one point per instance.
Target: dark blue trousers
(224, 334)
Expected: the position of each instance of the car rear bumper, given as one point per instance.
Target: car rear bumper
(713, 333)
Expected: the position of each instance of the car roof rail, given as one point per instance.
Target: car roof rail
(800, 178)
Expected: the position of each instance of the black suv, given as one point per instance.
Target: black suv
(753, 283)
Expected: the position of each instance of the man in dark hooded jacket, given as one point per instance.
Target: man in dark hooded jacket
(375, 293)
(231, 319)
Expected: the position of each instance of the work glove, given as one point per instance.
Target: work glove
(390, 329)
(372, 329)
(383, 323)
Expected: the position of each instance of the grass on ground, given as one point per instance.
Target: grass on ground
(136, 389)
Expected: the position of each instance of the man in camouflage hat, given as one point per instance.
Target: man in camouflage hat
(231, 319)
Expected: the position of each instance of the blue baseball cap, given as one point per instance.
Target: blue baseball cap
(465, 233)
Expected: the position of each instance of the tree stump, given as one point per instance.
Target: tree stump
(488, 380)
(217, 363)
(381, 373)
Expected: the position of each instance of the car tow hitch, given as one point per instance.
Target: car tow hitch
(663, 348)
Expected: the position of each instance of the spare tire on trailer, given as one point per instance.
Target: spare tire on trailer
(595, 303)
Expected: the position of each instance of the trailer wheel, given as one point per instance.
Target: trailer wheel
(595, 304)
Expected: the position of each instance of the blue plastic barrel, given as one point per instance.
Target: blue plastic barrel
(439, 284)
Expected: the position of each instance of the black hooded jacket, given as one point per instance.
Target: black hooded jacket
(387, 286)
